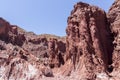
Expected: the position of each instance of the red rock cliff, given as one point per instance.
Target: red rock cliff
(90, 52)
(88, 45)
(114, 20)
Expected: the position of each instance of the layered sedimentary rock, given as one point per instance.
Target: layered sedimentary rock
(87, 42)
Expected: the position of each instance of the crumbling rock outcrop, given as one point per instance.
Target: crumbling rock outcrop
(18, 64)
(51, 52)
(114, 20)
(9, 33)
(56, 52)
(89, 52)
(87, 40)
(25, 55)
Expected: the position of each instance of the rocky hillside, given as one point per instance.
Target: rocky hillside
(89, 51)
(27, 56)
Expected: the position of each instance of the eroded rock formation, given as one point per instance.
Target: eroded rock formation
(114, 19)
(9, 33)
(90, 51)
(25, 55)
(87, 40)
(56, 51)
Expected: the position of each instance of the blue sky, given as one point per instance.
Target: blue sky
(43, 16)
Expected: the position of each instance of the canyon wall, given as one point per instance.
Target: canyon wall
(88, 40)
(114, 20)
(89, 51)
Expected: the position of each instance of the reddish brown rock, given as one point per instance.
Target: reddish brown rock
(4, 29)
(9, 33)
(87, 53)
(16, 63)
(55, 49)
(87, 40)
(114, 19)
